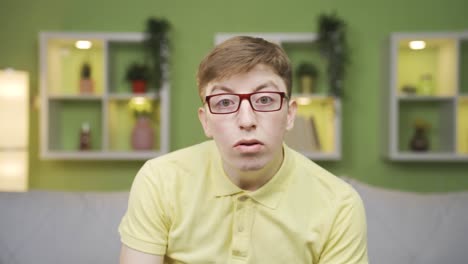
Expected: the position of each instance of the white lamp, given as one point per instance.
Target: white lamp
(14, 126)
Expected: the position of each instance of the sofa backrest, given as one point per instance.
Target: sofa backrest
(417, 228)
(43, 227)
(60, 227)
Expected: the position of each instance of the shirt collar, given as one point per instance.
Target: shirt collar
(268, 195)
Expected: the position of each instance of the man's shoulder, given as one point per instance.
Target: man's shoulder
(319, 179)
(189, 158)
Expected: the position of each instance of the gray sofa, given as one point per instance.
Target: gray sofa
(60, 227)
(415, 228)
(76, 228)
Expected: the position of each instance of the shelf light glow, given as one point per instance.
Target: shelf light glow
(417, 44)
(83, 44)
(303, 100)
(139, 100)
(140, 105)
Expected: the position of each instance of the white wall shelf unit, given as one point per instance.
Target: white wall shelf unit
(426, 89)
(64, 107)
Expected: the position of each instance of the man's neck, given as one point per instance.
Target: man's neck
(254, 179)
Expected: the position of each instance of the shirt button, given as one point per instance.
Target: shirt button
(243, 198)
(240, 228)
(239, 253)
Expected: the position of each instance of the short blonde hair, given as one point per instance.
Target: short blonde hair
(240, 55)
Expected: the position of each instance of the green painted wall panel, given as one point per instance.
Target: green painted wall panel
(194, 24)
(464, 67)
(67, 120)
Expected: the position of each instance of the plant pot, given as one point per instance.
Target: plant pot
(142, 134)
(139, 86)
(86, 86)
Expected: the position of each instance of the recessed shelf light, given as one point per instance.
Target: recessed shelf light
(417, 44)
(83, 44)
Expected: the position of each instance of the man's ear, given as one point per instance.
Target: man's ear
(291, 114)
(202, 116)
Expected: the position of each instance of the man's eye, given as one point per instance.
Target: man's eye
(265, 100)
(225, 102)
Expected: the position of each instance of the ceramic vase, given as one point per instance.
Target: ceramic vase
(142, 134)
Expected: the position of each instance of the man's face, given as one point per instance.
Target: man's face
(248, 140)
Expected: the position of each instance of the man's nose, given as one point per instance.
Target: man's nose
(246, 116)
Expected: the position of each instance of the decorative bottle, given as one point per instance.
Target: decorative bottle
(419, 141)
(85, 137)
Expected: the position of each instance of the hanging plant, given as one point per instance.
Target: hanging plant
(157, 46)
(333, 46)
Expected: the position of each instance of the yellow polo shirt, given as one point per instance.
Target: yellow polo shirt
(182, 205)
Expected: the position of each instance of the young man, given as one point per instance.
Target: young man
(243, 197)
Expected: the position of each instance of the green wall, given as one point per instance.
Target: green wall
(194, 24)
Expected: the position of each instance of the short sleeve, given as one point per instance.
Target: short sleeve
(145, 225)
(347, 242)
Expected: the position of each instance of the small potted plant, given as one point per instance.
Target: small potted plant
(307, 74)
(86, 83)
(138, 75)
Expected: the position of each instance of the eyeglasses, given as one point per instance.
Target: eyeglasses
(227, 103)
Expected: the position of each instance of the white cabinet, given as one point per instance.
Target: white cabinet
(66, 106)
(428, 95)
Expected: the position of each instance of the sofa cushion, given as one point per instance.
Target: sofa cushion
(60, 227)
(416, 228)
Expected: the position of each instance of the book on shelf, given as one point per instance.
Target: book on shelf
(303, 136)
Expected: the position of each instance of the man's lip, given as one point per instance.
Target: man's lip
(247, 142)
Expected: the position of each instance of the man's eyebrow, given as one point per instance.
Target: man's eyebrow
(266, 85)
(222, 88)
(262, 86)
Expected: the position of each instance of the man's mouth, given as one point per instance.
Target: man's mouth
(250, 142)
(248, 146)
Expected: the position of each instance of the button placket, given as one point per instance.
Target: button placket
(242, 213)
(243, 198)
(242, 226)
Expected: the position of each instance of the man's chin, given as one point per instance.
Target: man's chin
(248, 162)
(250, 166)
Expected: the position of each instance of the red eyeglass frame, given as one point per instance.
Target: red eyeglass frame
(245, 96)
